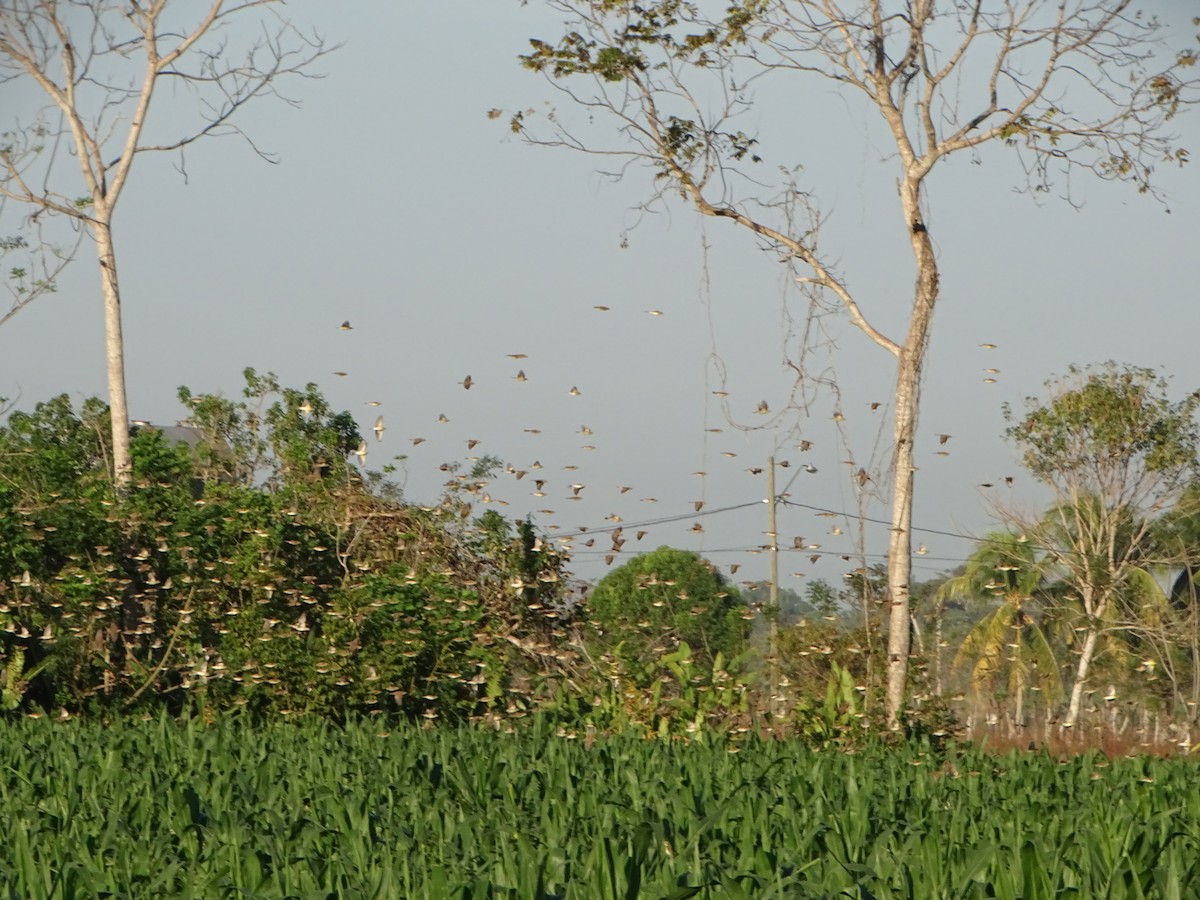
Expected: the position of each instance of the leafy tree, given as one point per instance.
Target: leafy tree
(1177, 542)
(1009, 646)
(663, 598)
(98, 66)
(1116, 452)
(1068, 87)
(259, 568)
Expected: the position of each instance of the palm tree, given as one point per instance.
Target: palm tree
(1009, 645)
(1175, 539)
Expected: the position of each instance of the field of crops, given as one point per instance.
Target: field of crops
(155, 809)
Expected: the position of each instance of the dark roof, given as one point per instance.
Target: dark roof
(172, 434)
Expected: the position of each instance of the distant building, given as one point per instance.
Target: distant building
(193, 438)
(172, 434)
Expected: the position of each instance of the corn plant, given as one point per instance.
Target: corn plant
(301, 808)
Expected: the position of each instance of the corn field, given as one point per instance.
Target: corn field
(306, 809)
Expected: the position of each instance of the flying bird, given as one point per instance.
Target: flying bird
(467, 382)
(574, 392)
(518, 356)
(361, 453)
(346, 326)
(378, 428)
(520, 376)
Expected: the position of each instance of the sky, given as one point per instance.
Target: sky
(449, 245)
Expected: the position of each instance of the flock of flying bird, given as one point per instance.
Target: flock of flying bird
(580, 539)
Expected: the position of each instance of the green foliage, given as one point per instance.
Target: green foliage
(1101, 420)
(258, 567)
(663, 598)
(1117, 452)
(1010, 648)
(302, 809)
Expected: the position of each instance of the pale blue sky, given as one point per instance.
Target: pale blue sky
(448, 244)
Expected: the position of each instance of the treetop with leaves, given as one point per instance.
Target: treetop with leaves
(1100, 423)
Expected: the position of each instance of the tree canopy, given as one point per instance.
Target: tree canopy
(666, 597)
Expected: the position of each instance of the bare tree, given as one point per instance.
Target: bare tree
(1068, 84)
(97, 65)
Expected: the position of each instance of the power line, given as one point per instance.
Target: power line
(662, 520)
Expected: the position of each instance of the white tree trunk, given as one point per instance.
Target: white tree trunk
(899, 568)
(1081, 674)
(114, 345)
(909, 362)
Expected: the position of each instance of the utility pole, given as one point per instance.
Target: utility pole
(773, 626)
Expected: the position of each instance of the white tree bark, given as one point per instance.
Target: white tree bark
(1086, 655)
(114, 347)
(77, 65)
(914, 66)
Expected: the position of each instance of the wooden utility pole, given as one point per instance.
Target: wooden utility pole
(773, 626)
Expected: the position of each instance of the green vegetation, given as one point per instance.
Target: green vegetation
(303, 809)
(262, 671)
(663, 598)
(257, 565)
(1119, 456)
(257, 568)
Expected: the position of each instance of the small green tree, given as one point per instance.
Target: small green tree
(1116, 451)
(663, 598)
